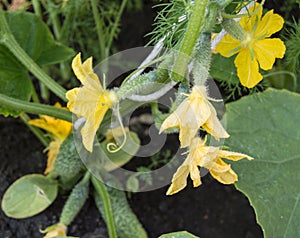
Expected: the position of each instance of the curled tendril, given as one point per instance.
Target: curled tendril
(113, 147)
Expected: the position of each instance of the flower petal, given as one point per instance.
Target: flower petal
(52, 154)
(179, 179)
(84, 72)
(228, 177)
(247, 69)
(223, 173)
(269, 24)
(248, 22)
(94, 114)
(234, 156)
(228, 46)
(214, 127)
(267, 50)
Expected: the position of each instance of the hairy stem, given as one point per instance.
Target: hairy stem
(194, 28)
(35, 108)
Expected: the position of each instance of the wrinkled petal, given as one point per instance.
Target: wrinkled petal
(83, 101)
(91, 126)
(269, 24)
(84, 72)
(220, 166)
(60, 129)
(195, 176)
(228, 46)
(175, 118)
(223, 172)
(247, 69)
(179, 179)
(189, 116)
(234, 156)
(214, 127)
(255, 13)
(54, 147)
(228, 177)
(267, 50)
(81, 71)
(57, 230)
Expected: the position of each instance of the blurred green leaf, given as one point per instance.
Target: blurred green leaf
(28, 196)
(132, 183)
(124, 155)
(34, 36)
(223, 69)
(266, 127)
(179, 234)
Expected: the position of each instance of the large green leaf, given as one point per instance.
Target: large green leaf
(28, 196)
(266, 127)
(35, 38)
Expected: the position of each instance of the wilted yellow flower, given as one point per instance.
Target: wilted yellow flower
(257, 49)
(209, 157)
(91, 101)
(195, 111)
(59, 130)
(56, 230)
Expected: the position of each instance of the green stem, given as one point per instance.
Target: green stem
(116, 23)
(7, 39)
(293, 76)
(37, 8)
(54, 20)
(194, 28)
(36, 131)
(99, 29)
(35, 108)
(101, 190)
(34, 96)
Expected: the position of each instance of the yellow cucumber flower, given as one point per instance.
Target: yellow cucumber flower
(195, 111)
(59, 130)
(257, 50)
(91, 101)
(209, 157)
(56, 230)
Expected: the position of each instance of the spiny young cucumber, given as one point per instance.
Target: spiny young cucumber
(75, 201)
(202, 59)
(68, 165)
(127, 224)
(150, 82)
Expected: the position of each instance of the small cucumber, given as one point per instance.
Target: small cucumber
(68, 166)
(127, 224)
(75, 201)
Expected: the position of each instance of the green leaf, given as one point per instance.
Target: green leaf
(223, 69)
(34, 36)
(124, 155)
(132, 183)
(179, 234)
(266, 127)
(28, 196)
(36, 39)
